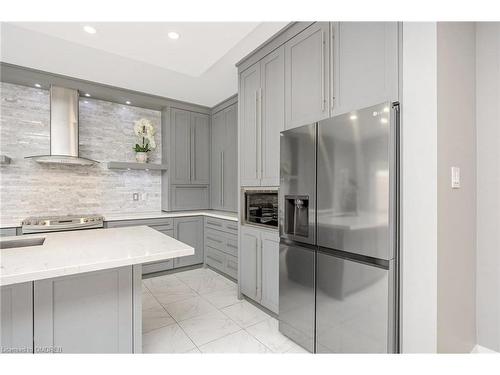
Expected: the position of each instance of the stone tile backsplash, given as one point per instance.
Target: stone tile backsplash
(106, 134)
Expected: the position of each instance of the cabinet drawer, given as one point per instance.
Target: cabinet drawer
(215, 239)
(223, 241)
(232, 245)
(231, 266)
(165, 223)
(223, 225)
(215, 258)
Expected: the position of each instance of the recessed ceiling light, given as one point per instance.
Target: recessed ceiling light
(173, 35)
(383, 120)
(86, 101)
(38, 85)
(128, 102)
(87, 95)
(353, 117)
(89, 29)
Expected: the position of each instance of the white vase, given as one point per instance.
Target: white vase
(141, 157)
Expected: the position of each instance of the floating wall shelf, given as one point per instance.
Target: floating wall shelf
(143, 166)
(4, 159)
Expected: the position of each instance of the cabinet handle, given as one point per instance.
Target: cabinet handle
(214, 239)
(190, 153)
(194, 151)
(332, 64)
(222, 177)
(322, 70)
(257, 133)
(260, 133)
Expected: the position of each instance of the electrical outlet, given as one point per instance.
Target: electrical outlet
(144, 196)
(455, 177)
(135, 196)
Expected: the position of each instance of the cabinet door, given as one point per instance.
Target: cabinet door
(218, 140)
(270, 271)
(16, 335)
(189, 197)
(200, 149)
(273, 114)
(307, 76)
(366, 64)
(248, 126)
(180, 170)
(230, 160)
(190, 231)
(249, 259)
(85, 313)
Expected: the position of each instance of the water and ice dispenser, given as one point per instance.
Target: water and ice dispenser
(297, 215)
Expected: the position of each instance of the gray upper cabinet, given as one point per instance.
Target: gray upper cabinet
(16, 315)
(190, 231)
(273, 114)
(262, 90)
(249, 146)
(307, 77)
(190, 147)
(100, 319)
(181, 146)
(366, 64)
(224, 159)
(200, 149)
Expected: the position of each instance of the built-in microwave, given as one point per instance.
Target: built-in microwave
(261, 207)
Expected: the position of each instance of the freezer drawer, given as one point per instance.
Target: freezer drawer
(353, 306)
(296, 293)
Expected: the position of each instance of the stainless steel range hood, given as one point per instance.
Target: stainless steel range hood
(63, 129)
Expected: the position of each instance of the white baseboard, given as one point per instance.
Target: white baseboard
(478, 349)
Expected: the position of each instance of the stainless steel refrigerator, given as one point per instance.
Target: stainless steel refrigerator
(338, 221)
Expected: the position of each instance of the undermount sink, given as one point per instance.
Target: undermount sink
(21, 242)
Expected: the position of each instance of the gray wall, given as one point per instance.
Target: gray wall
(106, 134)
(488, 184)
(456, 312)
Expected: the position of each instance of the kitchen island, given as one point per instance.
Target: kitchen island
(78, 291)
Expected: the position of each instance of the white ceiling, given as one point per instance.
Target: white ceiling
(198, 67)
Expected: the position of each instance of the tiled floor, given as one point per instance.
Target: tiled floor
(198, 311)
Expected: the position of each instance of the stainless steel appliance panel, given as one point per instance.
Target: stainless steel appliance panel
(297, 194)
(296, 293)
(353, 306)
(355, 182)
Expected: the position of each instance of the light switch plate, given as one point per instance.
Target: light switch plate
(455, 177)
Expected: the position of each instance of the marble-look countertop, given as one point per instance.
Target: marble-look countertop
(73, 252)
(233, 216)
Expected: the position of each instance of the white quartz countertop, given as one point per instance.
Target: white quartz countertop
(73, 252)
(233, 216)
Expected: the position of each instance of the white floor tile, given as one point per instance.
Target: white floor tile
(161, 282)
(189, 308)
(239, 342)
(205, 328)
(193, 351)
(267, 333)
(175, 293)
(148, 301)
(223, 298)
(195, 273)
(245, 314)
(155, 317)
(169, 339)
(208, 284)
(296, 349)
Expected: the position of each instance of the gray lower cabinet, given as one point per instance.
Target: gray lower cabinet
(190, 231)
(85, 313)
(259, 268)
(6, 232)
(164, 265)
(223, 187)
(221, 246)
(307, 76)
(16, 335)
